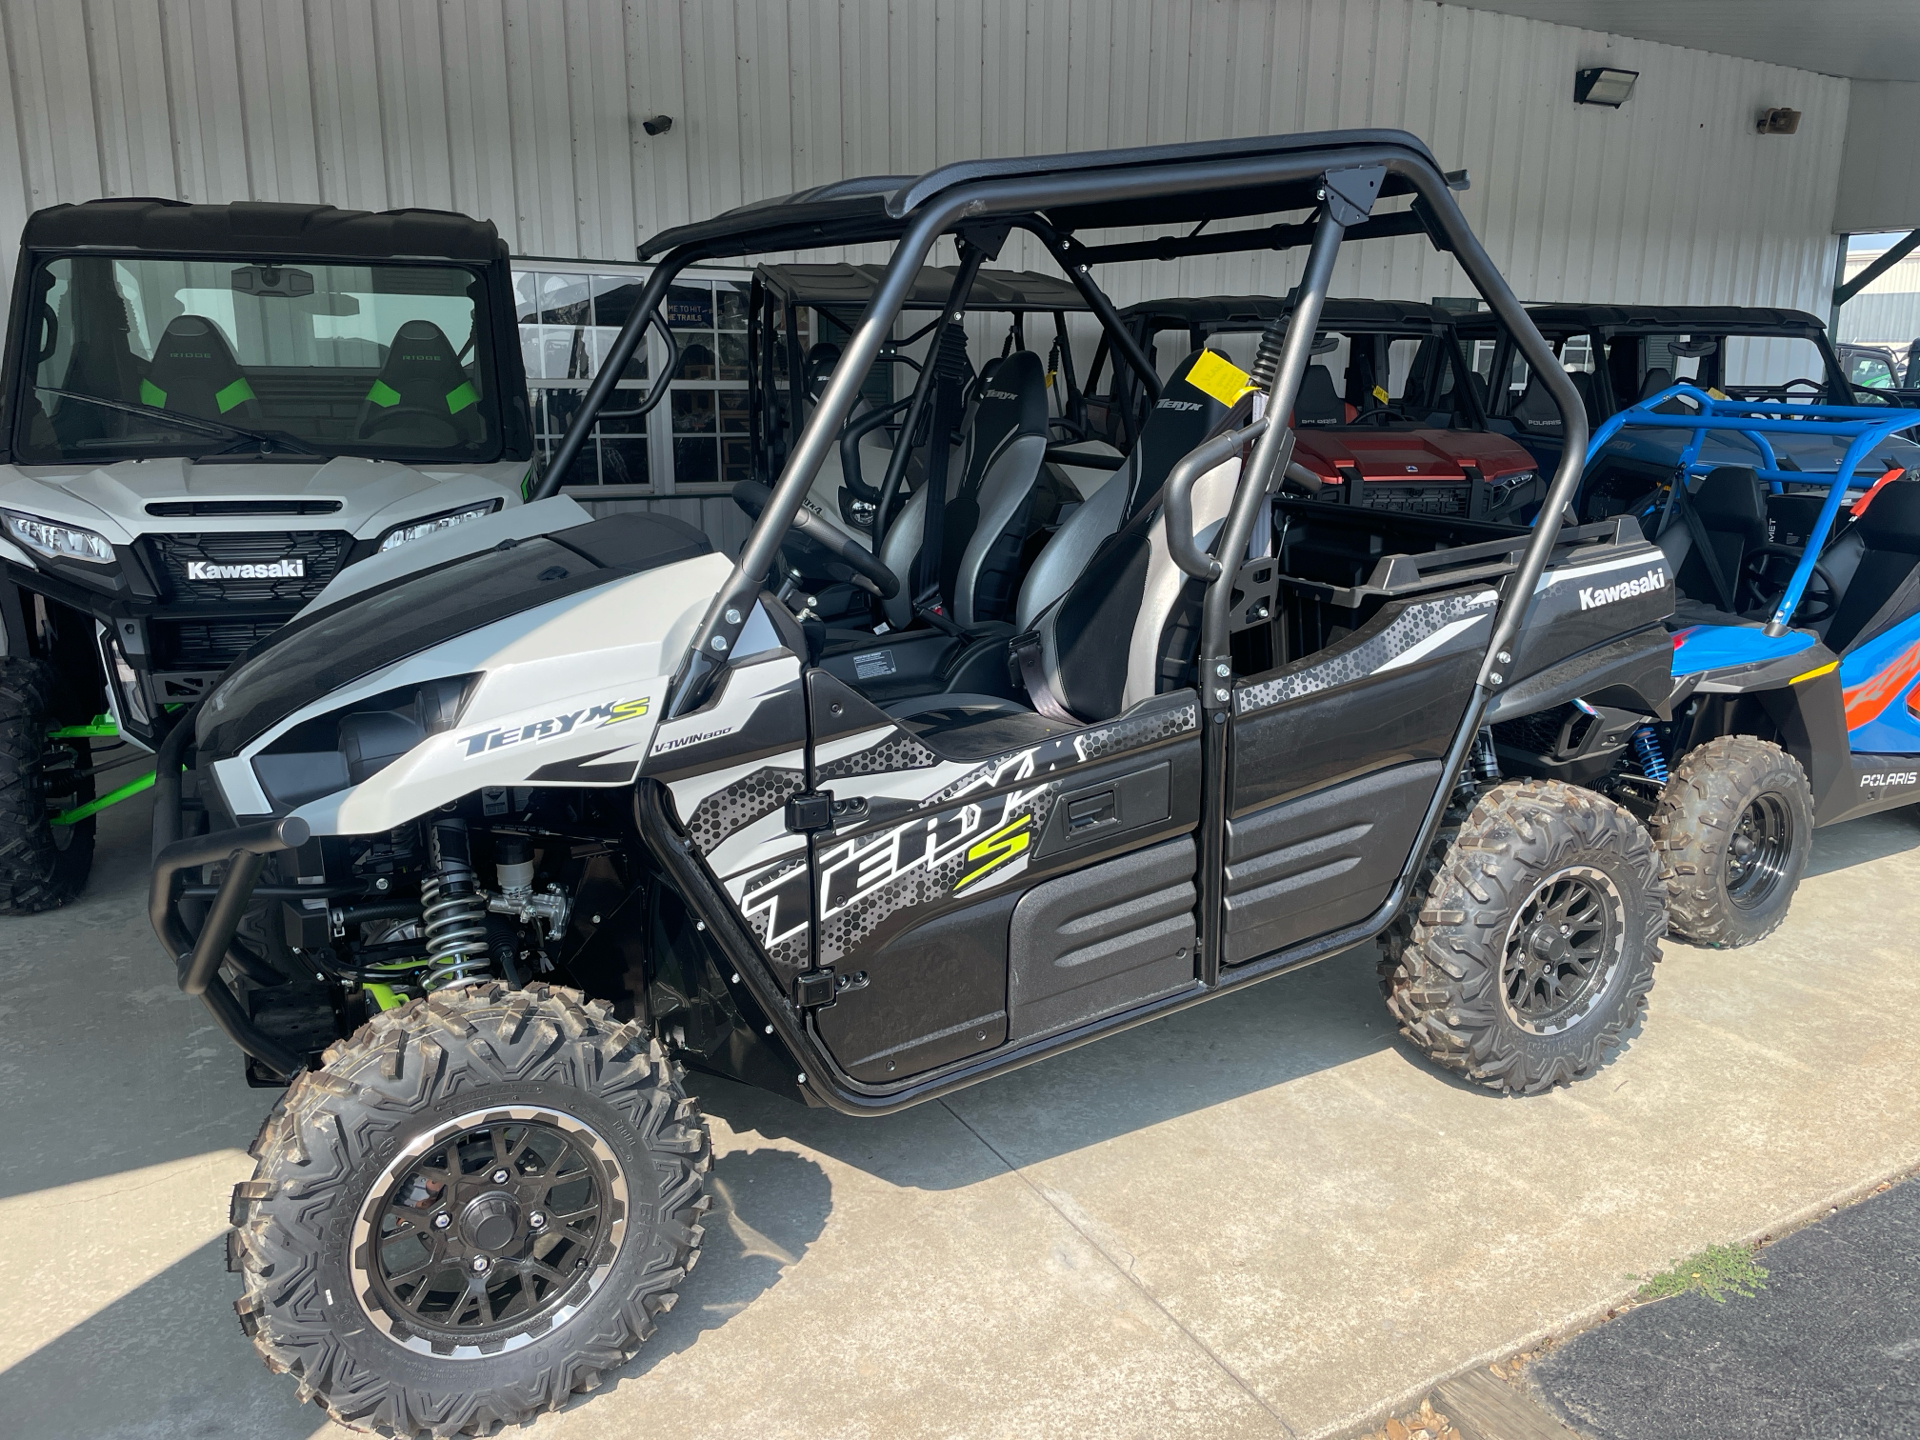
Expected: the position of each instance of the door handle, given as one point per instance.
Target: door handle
(1092, 812)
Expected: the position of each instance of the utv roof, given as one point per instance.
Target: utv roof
(256, 229)
(1217, 310)
(852, 286)
(1686, 319)
(877, 207)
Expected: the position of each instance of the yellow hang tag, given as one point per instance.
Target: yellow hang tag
(1380, 394)
(1216, 376)
(1716, 392)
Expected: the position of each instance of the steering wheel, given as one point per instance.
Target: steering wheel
(376, 423)
(1815, 605)
(1382, 413)
(821, 547)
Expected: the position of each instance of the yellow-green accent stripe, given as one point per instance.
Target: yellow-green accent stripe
(383, 395)
(152, 394)
(238, 393)
(460, 397)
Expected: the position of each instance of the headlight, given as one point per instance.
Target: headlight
(434, 524)
(57, 541)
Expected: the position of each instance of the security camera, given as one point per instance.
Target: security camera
(657, 124)
(1778, 122)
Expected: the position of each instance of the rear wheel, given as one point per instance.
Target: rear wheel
(1734, 831)
(42, 865)
(476, 1207)
(1529, 952)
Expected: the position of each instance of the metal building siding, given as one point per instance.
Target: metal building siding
(528, 111)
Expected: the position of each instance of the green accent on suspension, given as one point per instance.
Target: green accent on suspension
(383, 395)
(152, 394)
(101, 727)
(238, 393)
(384, 997)
(112, 797)
(460, 397)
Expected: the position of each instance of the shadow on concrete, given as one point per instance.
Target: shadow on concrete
(1236, 1045)
(1872, 837)
(168, 1359)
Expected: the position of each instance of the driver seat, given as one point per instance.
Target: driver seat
(1707, 537)
(423, 373)
(193, 372)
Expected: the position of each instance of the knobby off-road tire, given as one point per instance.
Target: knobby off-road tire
(1528, 951)
(559, 1147)
(1734, 831)
(42, 866)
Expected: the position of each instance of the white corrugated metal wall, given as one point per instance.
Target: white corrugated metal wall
(527, 112)
(1889, 308)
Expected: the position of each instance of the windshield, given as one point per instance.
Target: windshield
(140, 356)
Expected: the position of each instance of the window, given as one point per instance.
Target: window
(699, 437)
(152, 356)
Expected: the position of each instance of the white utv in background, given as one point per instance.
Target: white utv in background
(206, 412)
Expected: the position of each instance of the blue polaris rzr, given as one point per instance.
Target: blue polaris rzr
(1796, 648)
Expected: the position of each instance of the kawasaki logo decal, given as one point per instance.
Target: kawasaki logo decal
(611, 713)
(277, 570)
(1595, 596)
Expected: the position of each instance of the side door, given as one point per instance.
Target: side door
(1332, 762)
(989, 882)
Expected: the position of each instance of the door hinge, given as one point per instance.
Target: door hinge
(816, 989)
(810, 811)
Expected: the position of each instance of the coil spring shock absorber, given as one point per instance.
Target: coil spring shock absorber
(1646, 747)
(1486, 765)
(453, 911)
(1266, 363)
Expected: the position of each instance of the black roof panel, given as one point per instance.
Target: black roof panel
(875, 208)
(1216, 310)
(1560, 319)
(251, 229)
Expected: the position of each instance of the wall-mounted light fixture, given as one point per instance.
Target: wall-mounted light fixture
(1777, 122)
(657, 124)
(1601, 86)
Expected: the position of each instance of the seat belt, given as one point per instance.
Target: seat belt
(946, 412)
(1704, 544)
(1029, 659)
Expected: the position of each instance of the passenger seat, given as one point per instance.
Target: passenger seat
(424, 375)
(1883, 585)
(194, 372)
(1707, 538)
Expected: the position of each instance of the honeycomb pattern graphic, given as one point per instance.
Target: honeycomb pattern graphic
(1408, 629)
(750, 798)
(899, 751)
(1131, 734)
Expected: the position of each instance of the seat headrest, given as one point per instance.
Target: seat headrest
(420, 343)
(1319, 402)
(1731, 497)
(1657, 379)
(1585, 383)
(193, 371)
(1892, 520)
(1536, 406)
(1184, 416)
(1013, 397)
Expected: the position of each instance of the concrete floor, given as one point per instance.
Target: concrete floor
(1255, 1218)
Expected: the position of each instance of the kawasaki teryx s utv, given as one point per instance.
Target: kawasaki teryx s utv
(477, 856)
(205, 412)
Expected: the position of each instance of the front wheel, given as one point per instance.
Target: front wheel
(42, 865)
(1529, 951)
(476, 1206)
(1734, 831)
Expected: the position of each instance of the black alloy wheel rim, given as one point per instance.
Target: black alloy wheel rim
(1758, 852)
(1562, 949)
(489, 1232)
